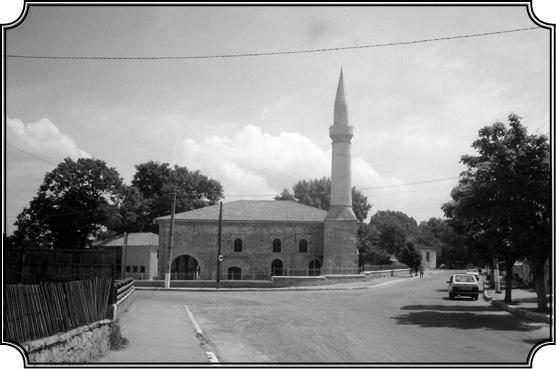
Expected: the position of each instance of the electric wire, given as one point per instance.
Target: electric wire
(271, 53)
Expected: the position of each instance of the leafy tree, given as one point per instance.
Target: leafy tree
(150, 177)
(502, 203)
(369, 252)
(157, 182)
(316, 193)
(451, 246)
(409, 255)
(74, 203)
(394, 229)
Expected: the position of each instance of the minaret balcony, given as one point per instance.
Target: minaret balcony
(341, 133)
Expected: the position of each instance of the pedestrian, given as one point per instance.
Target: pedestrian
(416, 271)
(421, 272)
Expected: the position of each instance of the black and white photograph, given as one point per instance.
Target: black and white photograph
(192, 184)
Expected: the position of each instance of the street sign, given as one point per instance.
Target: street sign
(220, 258)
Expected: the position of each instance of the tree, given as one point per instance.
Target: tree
(451, 246)
(316, 193)
(394, 229)
(157, 182)
(409, 255)
(74, 204)
(367, 245)
(502, 203)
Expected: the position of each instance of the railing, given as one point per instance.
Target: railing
(380, 267)
(122, 289)
(33, 311)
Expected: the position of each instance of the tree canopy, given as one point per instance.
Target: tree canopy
(502, 203)
(157, 182)
(316, 193)
(74, 204)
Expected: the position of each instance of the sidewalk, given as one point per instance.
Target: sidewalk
(524, 304)
(157, 333)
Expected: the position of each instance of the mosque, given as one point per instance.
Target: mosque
(264, 238)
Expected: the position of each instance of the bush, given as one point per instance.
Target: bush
(117, 341)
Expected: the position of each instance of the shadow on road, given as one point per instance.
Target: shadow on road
(449, 308)
(461, 317)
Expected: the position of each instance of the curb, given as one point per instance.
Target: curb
(268, 289)
(536, 317)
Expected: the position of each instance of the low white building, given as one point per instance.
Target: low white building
(138, 256)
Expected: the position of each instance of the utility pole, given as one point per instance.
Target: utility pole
(124, 267)
(170, 244)
(220, 257)
(496, 277)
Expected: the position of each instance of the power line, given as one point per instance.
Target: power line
(32, 155)
(410, 183)
(269, 53)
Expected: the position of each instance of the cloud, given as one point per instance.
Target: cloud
(256, 164)
(42, 138)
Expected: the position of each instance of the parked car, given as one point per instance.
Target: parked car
(463, 285)
(474, 272)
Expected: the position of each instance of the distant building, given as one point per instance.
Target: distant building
(264, 238)
(428, 257)
(139, 257)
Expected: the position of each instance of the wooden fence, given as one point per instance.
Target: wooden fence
(33, 311)
(35, 265)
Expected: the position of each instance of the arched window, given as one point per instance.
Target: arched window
(303, 245)
(314, 267)
(234, 273)
(238, 245)
(276, 245)
(277, 268)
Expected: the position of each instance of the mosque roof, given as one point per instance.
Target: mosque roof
(255, 210)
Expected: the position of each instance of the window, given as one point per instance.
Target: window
(238, 245)
(234, 273)
(428, 256)
(276, 245)
(128, 269)
(135, 269)
(142, 269)
(303, 245)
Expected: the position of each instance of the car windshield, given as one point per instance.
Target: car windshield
(464, 278)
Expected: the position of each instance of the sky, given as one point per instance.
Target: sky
(260, 124)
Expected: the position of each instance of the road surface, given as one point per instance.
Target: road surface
(401, 321)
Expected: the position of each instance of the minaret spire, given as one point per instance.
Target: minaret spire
(340, 105)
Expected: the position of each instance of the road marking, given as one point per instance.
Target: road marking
(199, 333)
(212, 357)
(196, 326)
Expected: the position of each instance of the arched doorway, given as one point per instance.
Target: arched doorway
(184, 267)
(277, 268)
(234, 273)
(314, 267)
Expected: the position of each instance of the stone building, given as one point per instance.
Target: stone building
(264, 238)
(259, 239)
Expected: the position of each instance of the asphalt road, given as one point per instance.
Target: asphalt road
(407, 321)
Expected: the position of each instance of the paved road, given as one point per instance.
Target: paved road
(409, 321)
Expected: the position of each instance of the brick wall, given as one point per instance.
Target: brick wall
(199, 240)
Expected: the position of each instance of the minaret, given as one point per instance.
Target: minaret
(340, 224)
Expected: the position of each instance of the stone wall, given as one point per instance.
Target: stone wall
(199, 240)
(79, 345)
